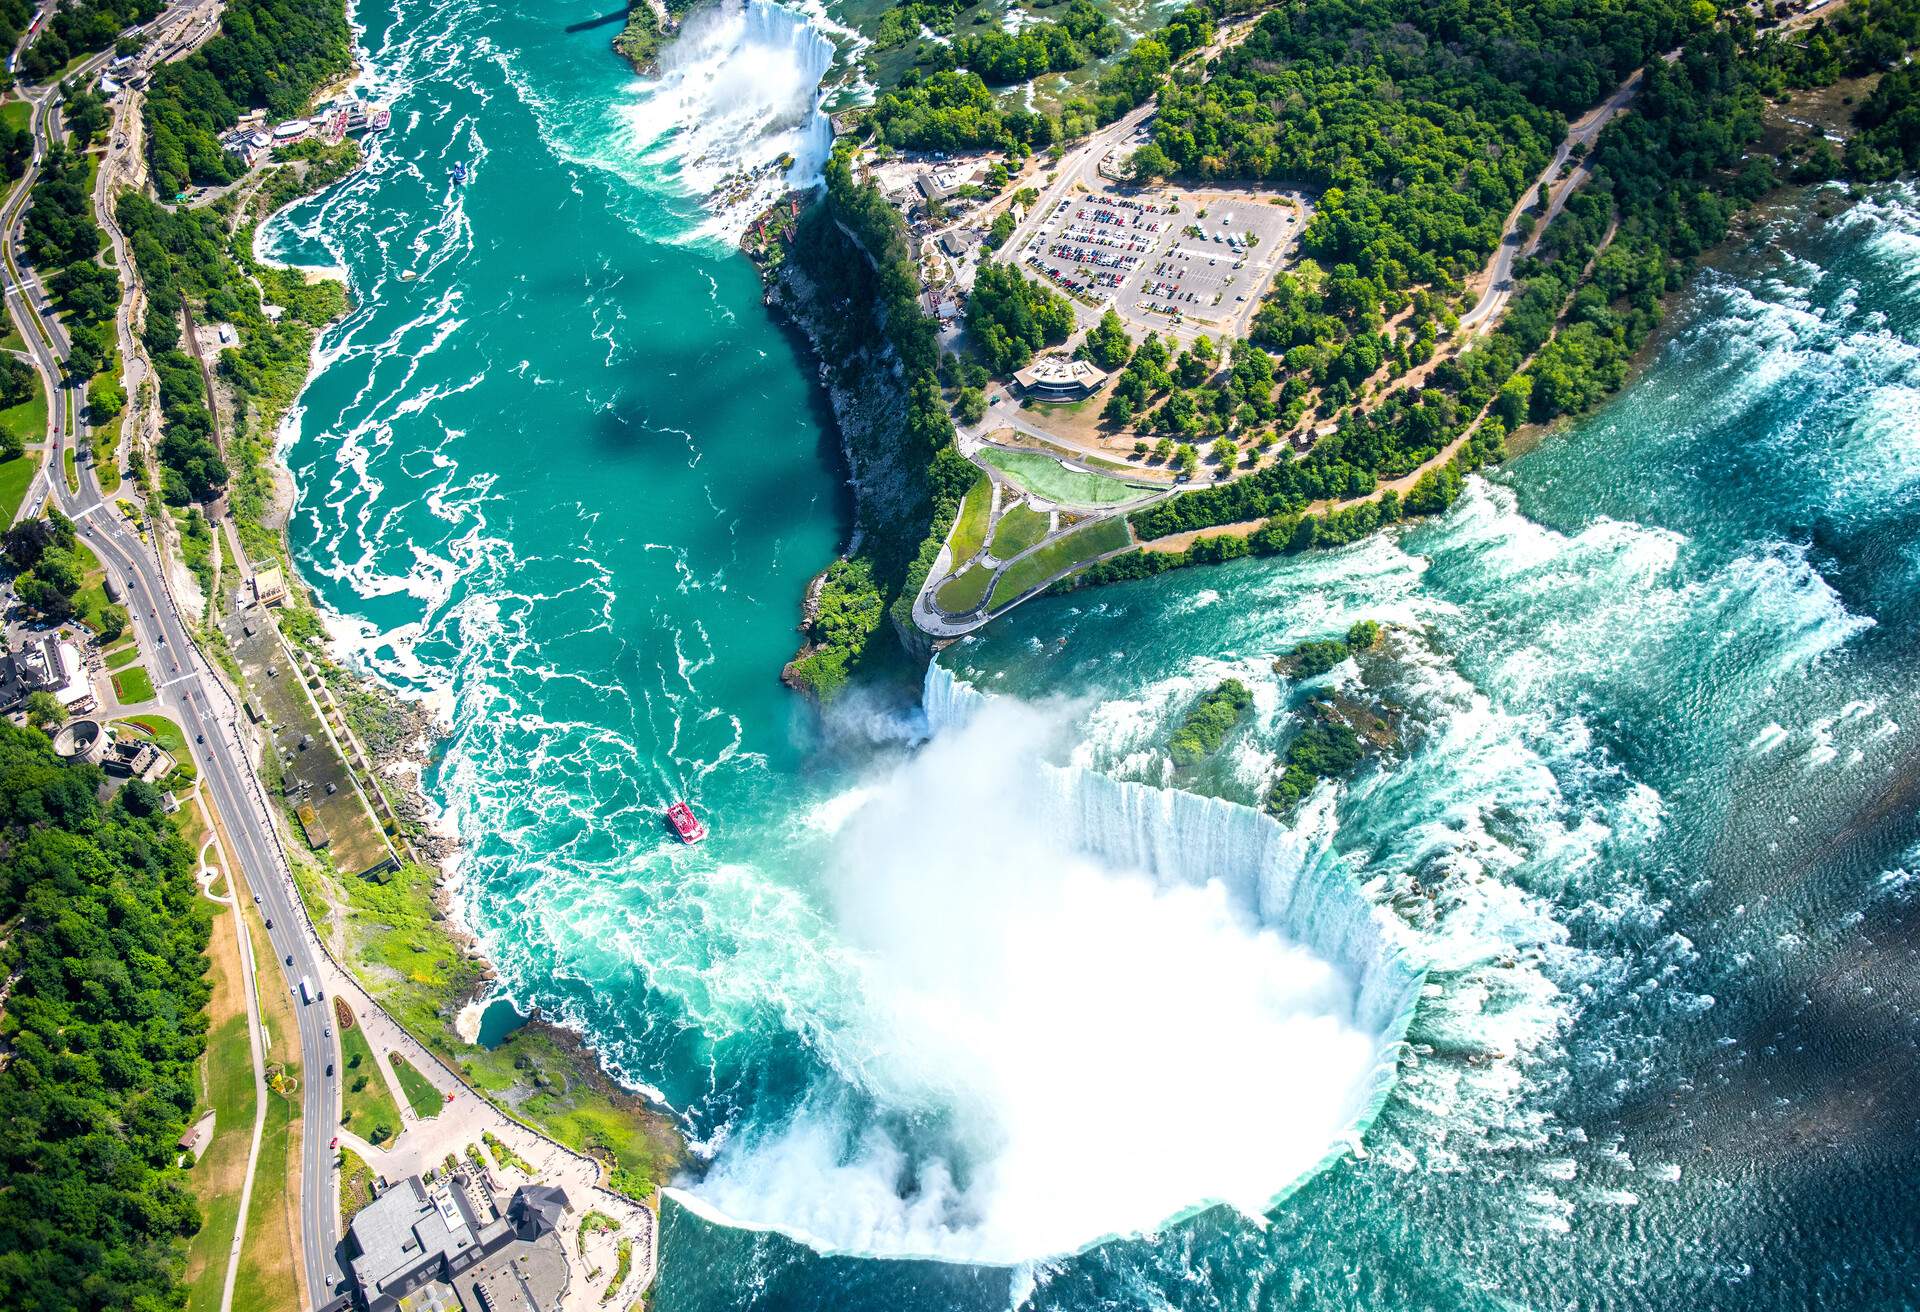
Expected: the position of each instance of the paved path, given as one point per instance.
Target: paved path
(190, 690)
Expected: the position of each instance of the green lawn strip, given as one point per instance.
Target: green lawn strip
(28, 420)
(267, 1280)
(1046, 477)
(133, 685)
(970, 528)
(425, 1099)
(72, 465)
(15, 475)
(229, 1073)
(16, 114)
(259, 1286)
(365, 1103)
(123, 655)
(958, 596)
(170, 736)
(1019, 528)
(1082, 544)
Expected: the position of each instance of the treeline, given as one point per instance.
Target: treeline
(853, 248)
(271, 54)
(64, 243)
(190, 254)
(105, 1018)
(1059, 45)
(953, 108)
(80, 27)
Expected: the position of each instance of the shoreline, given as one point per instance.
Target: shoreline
(545, 1074)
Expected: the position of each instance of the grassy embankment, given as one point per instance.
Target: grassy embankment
(226, 1087)
(1080, 545)
(970, 526)
(268, 1279)
(1020, 527)
(405, 955)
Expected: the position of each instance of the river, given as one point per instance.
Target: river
(1596, 992)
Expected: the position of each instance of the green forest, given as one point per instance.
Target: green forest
(1668, 180)
(105, 1019)
(271, 54)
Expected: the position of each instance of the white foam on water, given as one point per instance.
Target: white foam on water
(1038, 949)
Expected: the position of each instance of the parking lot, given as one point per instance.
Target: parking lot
(1183, 263)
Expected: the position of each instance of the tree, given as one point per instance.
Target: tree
(113, 622)
(1150, 163)
(44, 711)
(1107, 342)
(1225, 453)
(970, 406)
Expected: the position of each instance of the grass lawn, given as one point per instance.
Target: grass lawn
(16, 114)
(970, 527)
(365, 1102)
(171, 737)
(964, 593)
(225, 1074)
(123, 655)
(133, 685)
(356, 1184)
(1046, 477)
(73, 469)
(425, 1099)
(1082, 544)
(28, 420)
(1019, 528)
(15, 475)
(268, 1280)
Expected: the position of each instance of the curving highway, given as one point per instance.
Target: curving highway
(190, 691)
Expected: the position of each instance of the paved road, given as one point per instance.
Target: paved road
(192, 694)
(1584, 131)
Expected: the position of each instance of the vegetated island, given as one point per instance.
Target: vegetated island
(1207, 725)
(1488, 216)
(1341, 731)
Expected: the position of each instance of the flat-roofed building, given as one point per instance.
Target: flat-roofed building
(1058, 378)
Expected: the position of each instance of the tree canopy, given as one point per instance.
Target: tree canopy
(106, 1017)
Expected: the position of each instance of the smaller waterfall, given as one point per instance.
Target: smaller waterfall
(739, 93)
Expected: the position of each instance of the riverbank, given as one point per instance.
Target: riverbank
(399, 931)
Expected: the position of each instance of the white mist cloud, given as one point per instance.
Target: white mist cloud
(1047, 1050)
(738, 89)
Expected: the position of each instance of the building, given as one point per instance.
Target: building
(940, 183)
(269, 586)
(449, 1246)
(1057, 378)
(46, 664)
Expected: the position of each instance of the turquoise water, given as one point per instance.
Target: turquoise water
(939, 987)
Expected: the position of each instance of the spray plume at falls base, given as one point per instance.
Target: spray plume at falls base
(1048, 962)
(738, 92)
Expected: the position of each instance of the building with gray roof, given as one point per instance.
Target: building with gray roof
(448, 1248)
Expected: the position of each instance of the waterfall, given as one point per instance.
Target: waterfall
(1280, 874)
(739, 90)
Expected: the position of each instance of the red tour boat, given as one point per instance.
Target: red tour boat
(681, 817)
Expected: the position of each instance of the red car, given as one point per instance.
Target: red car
(334, 1142)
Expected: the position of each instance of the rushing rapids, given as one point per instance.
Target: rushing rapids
(1650, 829)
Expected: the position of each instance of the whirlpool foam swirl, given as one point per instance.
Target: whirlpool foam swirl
(1048, 962)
